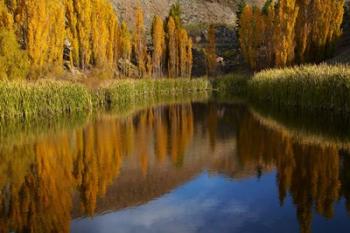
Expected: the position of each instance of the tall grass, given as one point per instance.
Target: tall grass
(51, 98)
(231, 85)
(44, 98)
(307, 87)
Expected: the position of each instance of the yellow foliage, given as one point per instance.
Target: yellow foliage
(294, 31)
(183, 42)
(56, 34)
(284, 37)
(88, 33)
(158, 39)
(251, 34)
(125, 46)
(6, 19)
(139, 41)
(171, 47)
(14, 63)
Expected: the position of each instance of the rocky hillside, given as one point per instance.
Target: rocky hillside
(196, 15)
(194, 11)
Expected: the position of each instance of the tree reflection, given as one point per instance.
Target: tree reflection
(310, 173)
(37, 180)
(41, 181)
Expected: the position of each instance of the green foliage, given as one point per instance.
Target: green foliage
(241, 6)
(14, 63)
(175, 12)
(266, 6)
(307, 87)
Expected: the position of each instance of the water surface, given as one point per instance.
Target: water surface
(201, 167)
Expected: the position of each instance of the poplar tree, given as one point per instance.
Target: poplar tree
(268, 12)
(251, 34)
(99, 33)
(83, 13)
(72, 31)
(303, 29)
(158, 39)
(139, 41)
(172, 48)
(284, 37)
(56, 34)
(125, 47)
(14, 63)
(37, 17)
(326, 26)
(183, 42)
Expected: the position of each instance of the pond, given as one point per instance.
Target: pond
(192, 167)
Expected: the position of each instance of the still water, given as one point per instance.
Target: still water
(182, 168)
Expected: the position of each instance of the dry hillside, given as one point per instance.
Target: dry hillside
(194, 11)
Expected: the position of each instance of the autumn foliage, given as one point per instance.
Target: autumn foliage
(290, 32)
(85, 35)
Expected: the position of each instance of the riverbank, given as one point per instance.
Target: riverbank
(48, 98)
(313, 87)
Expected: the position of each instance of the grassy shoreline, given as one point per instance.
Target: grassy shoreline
(48, 98)
(312, 87)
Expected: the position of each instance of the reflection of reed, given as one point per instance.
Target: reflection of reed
(24, 131)
(313, 127)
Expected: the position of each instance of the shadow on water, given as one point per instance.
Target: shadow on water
(118, 168)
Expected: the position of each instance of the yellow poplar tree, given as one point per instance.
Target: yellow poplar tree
(172, 48)
(56, 34)
(251, 34)
(269, 17)
(72, 32)
(37, 15)
(83, 12)
(158, 39)
(99, 33)
(125, 46)
(326, 26)
(183, 42)
(112, 39)
(14, 63)
(284, 37)
(303, 29)
(139, 41)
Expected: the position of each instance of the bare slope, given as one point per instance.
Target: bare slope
(194, 11)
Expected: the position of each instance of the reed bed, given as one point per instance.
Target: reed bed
(231, 85)
(43, 98)
(50, 98)
(319, 87)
